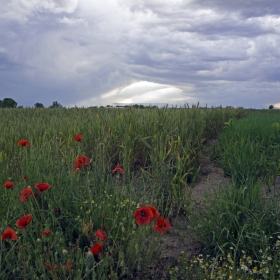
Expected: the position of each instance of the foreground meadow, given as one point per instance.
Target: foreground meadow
(92, 193)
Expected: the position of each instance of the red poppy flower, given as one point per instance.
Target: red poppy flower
(8, 184)
(49, 266)
(118, 168)
(25, 193)
(23, 143)
(78, 137)
(155, 213)
(77, 166)
(80, 161)
(9, 233)
(102, 235)
(42, 187)
(46, 232)
(96, 248)
(24, 221)
(83, 160)
(143, 215)
(68, 265)
(24, 177)
(162, 226)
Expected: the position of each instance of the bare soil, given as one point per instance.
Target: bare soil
(211, 175)
(179, 239)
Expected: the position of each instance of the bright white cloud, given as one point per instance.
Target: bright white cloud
(138, 88)
(139, 92)
(157, 96)
(22, 10)
(72, 21)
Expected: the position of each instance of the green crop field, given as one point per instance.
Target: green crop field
(96, 193)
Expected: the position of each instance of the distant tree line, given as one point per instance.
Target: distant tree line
(39, 105)
(137, 106)
(8, 103)
(54, 105)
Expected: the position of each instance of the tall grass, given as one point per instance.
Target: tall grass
(239, 224)
(250, 148)
(159, 152)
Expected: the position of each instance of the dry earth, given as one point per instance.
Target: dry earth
(179, 239)
(211, 176)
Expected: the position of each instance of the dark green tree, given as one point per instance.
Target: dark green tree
(271, 107)
(8, 103)
(39, 105)
(56, 105)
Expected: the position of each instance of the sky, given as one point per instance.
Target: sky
(91, 53)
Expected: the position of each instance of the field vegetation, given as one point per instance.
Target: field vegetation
(90, 193)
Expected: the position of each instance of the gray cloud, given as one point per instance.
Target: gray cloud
(23, 10)
(248, 9)
(216, 52)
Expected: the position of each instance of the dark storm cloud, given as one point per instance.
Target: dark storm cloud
(77, 51)
(246, 8)
(256, 8)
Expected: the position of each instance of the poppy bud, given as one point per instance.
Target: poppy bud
(89, 254)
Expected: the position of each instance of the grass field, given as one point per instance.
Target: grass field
(97, 206)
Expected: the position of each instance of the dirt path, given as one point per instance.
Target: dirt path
(211, 174)
(178, 240)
